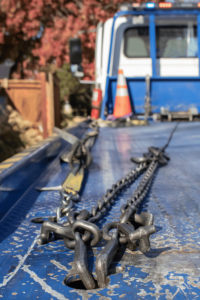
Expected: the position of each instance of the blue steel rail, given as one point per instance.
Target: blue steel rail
(171, 270)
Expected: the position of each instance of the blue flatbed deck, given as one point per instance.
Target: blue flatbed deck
(170, 270)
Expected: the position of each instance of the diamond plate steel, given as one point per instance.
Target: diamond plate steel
(171, 270)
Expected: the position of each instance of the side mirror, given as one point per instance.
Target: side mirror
(75, 51)
(76, 57)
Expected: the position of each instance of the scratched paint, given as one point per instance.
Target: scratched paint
(171, 270)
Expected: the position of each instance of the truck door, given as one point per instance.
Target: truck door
(132, 47)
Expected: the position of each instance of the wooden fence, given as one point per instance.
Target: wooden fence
(36, 100)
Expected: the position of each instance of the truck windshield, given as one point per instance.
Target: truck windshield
(173, 41)
(136, 42)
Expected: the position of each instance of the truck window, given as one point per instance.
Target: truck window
(136, 42)
(176, 41)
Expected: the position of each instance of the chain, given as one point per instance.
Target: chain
(80, 152)
(132, 229)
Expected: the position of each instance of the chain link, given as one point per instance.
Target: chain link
(132, 229)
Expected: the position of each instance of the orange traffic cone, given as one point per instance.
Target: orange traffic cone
(122, 100)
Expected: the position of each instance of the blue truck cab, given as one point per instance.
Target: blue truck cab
(161, 41)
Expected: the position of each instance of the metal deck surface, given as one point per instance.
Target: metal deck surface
(170, 270)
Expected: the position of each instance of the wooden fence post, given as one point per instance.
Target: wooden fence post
(44, 104)
(51, 99)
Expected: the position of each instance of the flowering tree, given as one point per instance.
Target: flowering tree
(34, 33)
